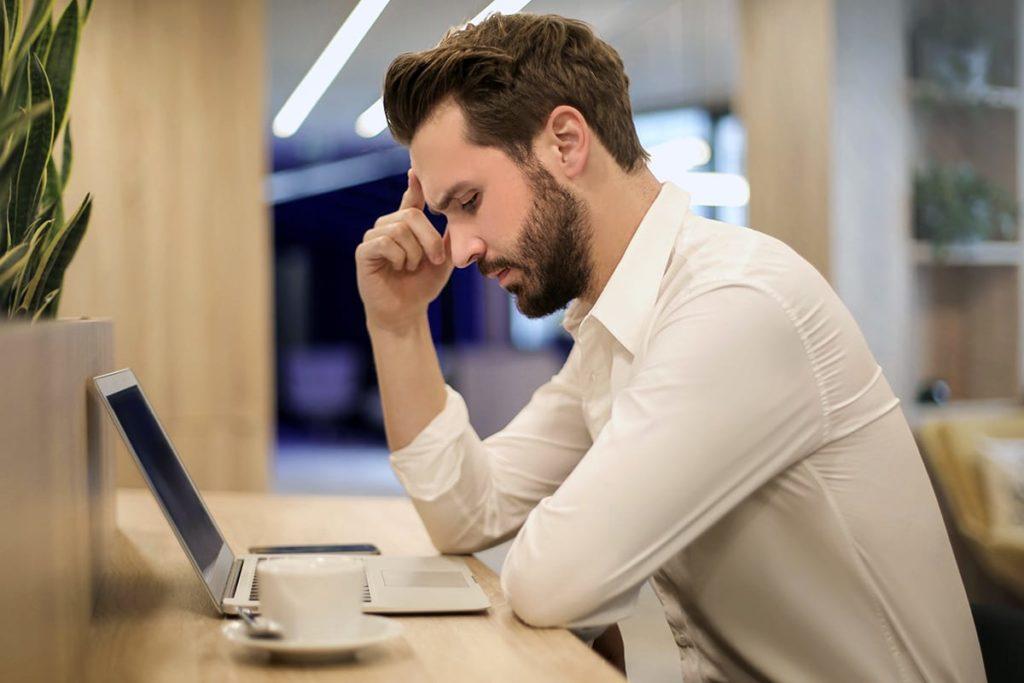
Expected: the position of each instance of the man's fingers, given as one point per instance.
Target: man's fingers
(413, 197)
(383, 248)
(401, 233)
(427, 235)
(418, 227)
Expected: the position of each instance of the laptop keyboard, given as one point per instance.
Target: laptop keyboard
(254, 592)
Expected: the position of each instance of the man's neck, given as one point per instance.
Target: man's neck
(617, 207)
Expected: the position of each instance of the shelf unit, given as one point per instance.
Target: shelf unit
(968, 298)
(993, 96)
(975, 254)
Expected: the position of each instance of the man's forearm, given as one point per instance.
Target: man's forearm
(411, 384)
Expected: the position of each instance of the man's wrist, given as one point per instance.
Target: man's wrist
(405, 329)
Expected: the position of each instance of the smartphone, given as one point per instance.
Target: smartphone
(349, 548)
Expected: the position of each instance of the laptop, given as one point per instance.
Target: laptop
(393, 585)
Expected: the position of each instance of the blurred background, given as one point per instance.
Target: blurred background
(237, 152)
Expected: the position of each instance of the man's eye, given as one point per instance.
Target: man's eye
(471, 203)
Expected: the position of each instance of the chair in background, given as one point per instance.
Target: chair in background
(979, 525)
(958, 468)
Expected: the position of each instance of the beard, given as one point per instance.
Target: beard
(553, 253)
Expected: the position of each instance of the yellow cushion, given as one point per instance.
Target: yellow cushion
(952, 450)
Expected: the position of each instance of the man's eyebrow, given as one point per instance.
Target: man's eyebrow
(447, 198)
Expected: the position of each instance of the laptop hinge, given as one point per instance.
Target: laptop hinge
(232, 583)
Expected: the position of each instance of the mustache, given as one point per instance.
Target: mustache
(489, 268)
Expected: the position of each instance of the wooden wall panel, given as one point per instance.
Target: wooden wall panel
(168, 127)
(56, 494)
(784, 100)
(968, 321)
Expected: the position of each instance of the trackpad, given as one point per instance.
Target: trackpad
(394, 578)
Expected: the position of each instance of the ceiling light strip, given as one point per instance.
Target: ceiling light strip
(327, 66)
(372, 122)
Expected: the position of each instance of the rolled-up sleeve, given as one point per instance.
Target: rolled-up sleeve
(723, 399)
(472, 493)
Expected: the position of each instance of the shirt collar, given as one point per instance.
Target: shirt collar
(630, 293)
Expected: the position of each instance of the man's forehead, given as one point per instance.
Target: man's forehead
(445, 161)
(439, 157)
(441, 181)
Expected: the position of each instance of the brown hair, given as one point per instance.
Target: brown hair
(507, 74)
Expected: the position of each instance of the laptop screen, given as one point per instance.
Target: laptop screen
(173, 488)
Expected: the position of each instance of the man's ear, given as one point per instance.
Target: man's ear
(567, 137)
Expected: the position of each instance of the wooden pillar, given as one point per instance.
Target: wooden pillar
(784, 99)
(168, 125)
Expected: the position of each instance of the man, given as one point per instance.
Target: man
(720, 426)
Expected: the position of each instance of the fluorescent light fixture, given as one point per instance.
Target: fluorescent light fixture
(679, 155)
(503, 6)
(672, 161)
(714, 189)
(327, 66)
(372, 122)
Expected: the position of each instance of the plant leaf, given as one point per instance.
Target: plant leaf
(60, 64)
(20, 118)
(41, 45)
(38, 18)
(35, 154)
(11, 262)
(16, 84)
(60, 253)
(12, 129)
(12, 14)
(43, 306)
(5, 42)
(52, 200)
(14, 126)
(65, 164)
(34, 269)
(34, 245)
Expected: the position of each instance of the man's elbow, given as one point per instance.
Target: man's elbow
(539, 601)
(463, 542)
(450, 547)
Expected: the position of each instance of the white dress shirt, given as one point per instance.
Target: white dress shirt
(721, 428)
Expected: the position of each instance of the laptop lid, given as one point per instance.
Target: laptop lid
(164, 472)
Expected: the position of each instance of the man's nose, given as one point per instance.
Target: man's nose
(466, 249)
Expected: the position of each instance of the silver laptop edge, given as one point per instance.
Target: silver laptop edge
(228, 579)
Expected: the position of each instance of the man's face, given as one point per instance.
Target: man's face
(518, 224)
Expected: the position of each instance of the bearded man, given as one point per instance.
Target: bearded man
(720, 426)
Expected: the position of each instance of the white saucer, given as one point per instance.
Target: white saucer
(372, 630)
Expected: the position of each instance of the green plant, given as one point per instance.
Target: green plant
(37, 241)
(955, 204)
(955, 23)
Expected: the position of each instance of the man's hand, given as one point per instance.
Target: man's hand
(402, 264)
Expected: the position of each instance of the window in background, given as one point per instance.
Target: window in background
(729, 147)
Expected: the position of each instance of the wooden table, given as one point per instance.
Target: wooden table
(154, 621)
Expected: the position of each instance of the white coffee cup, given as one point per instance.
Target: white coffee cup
(313, 599)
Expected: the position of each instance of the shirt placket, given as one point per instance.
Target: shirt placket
(596, 370)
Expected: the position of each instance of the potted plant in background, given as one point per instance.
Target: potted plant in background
(956, 205)
(953, 44)
(54, 451)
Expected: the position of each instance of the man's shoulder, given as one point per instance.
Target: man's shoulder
(708, 254)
